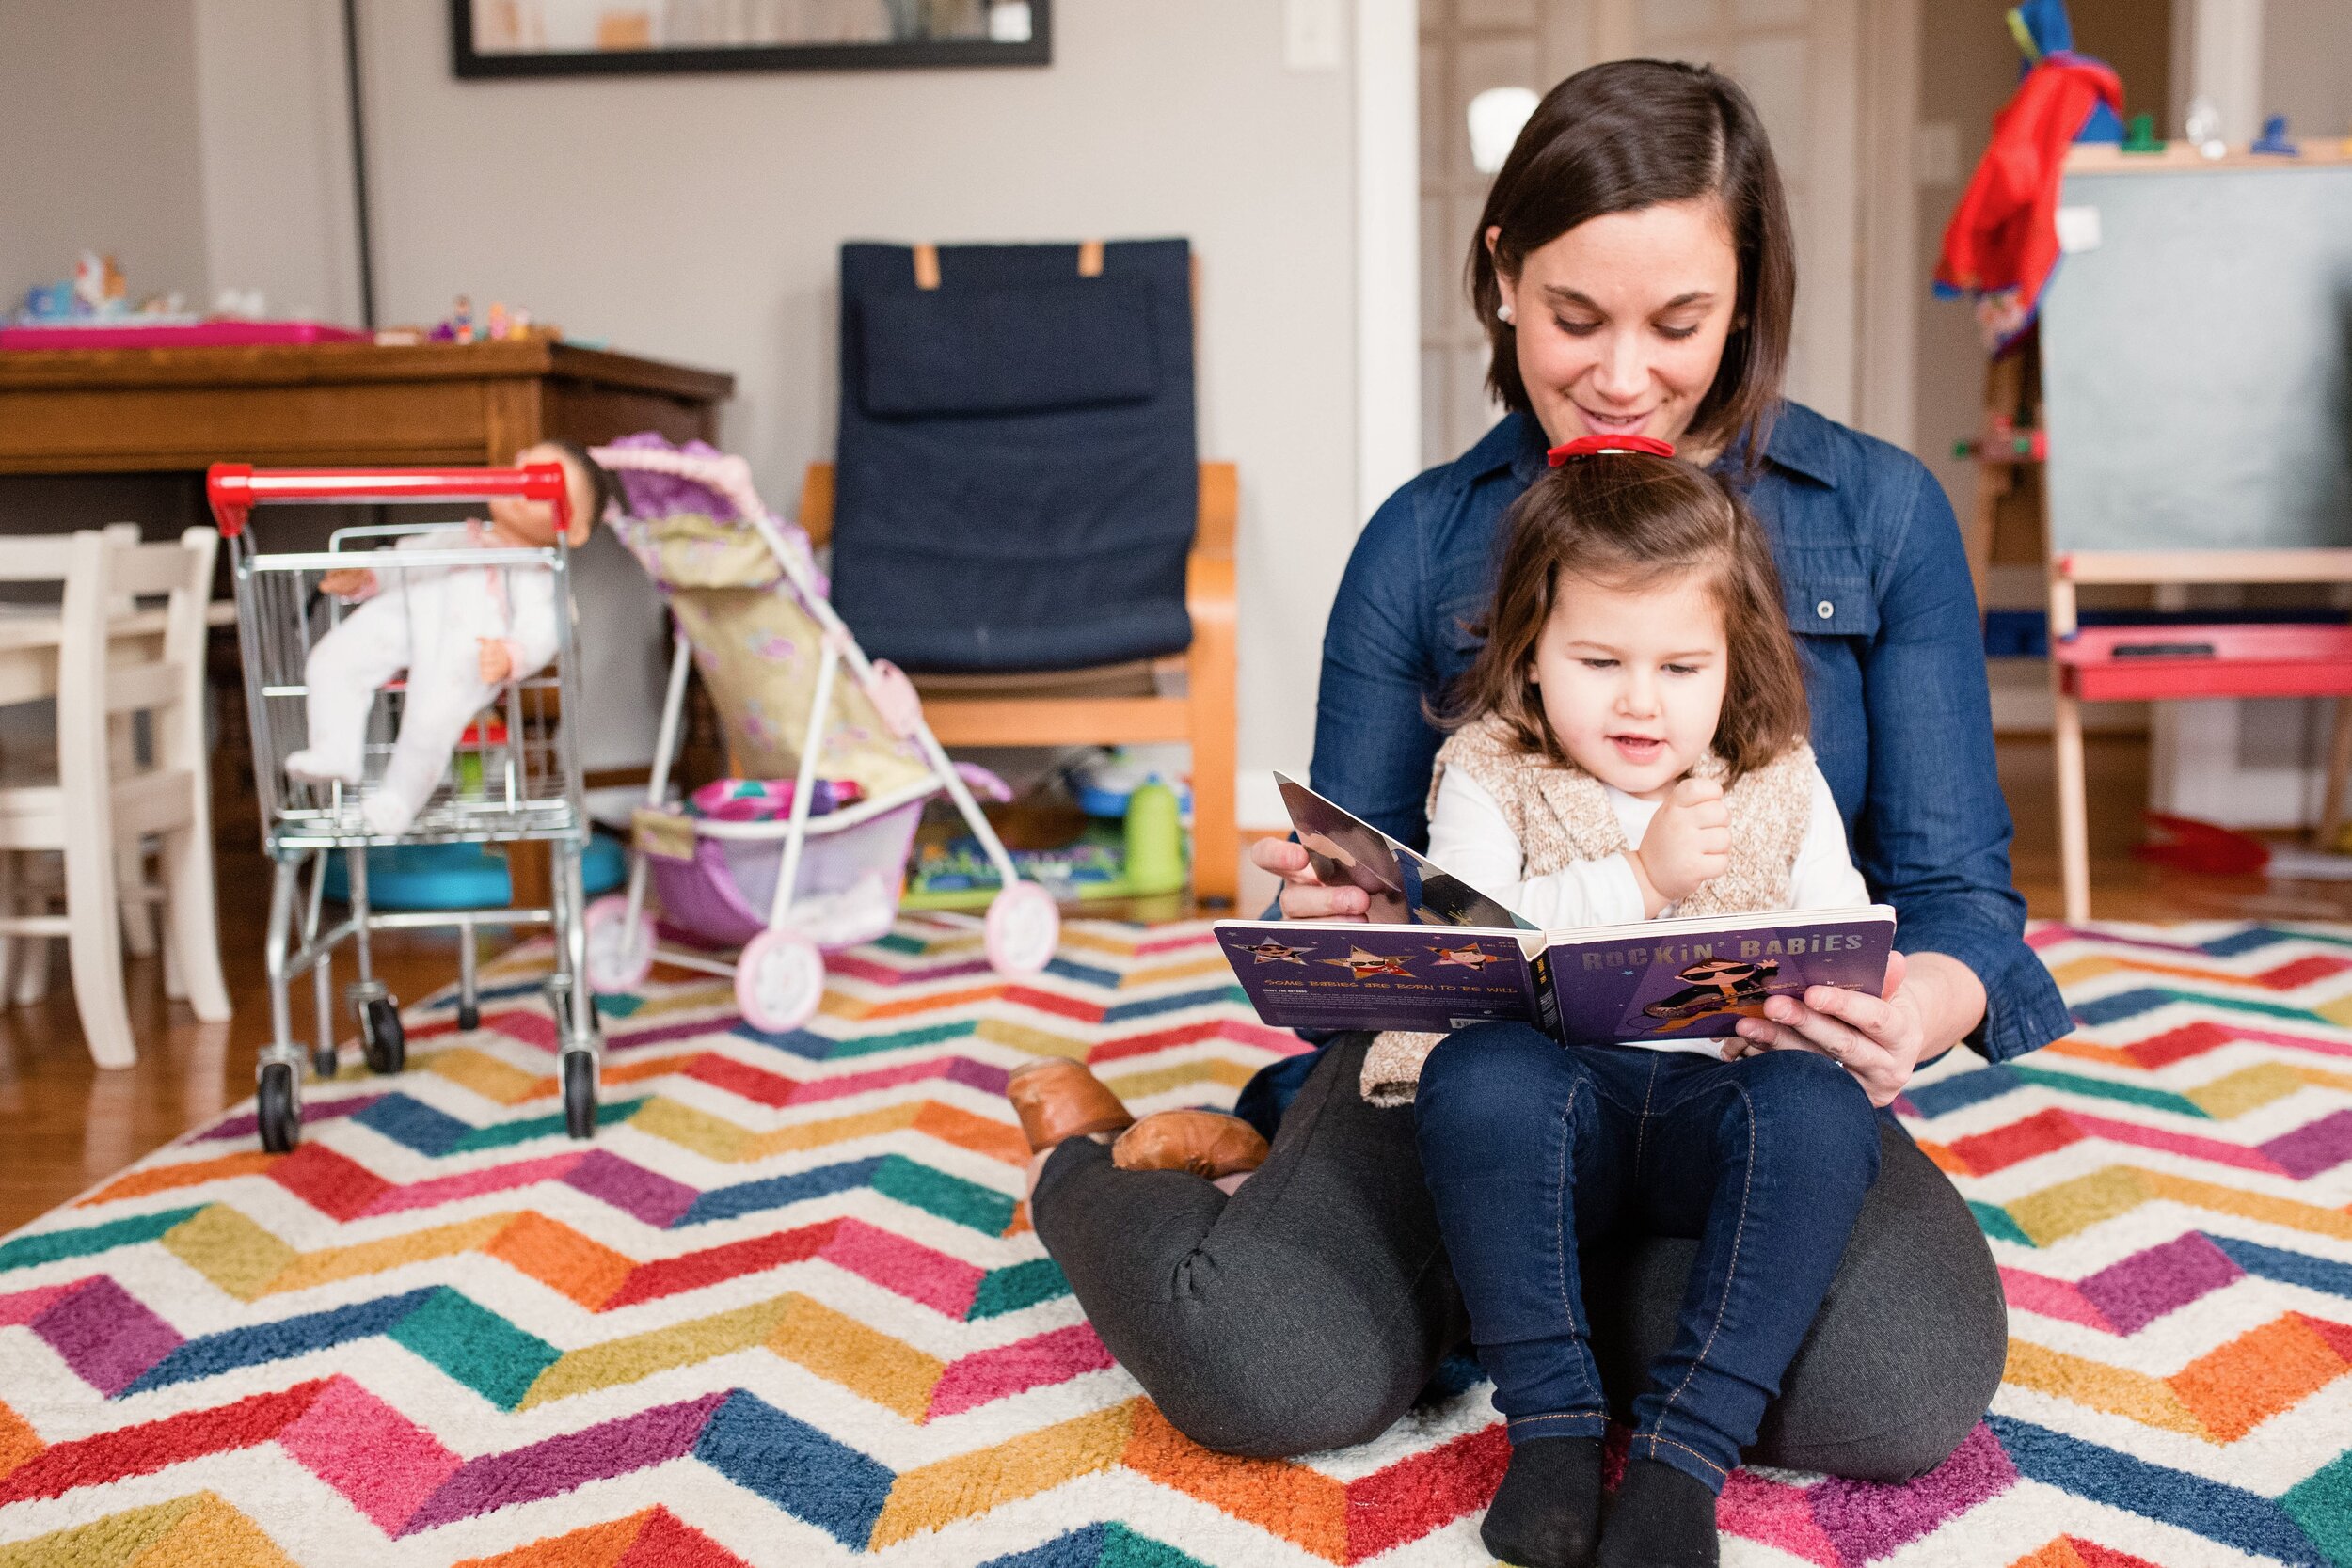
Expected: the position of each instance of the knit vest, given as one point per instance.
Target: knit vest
(1560, 814)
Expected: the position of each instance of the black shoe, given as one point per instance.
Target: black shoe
(1546, 1512)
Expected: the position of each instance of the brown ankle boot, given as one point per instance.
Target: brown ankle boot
(1058, 1099)
(1205, 1143)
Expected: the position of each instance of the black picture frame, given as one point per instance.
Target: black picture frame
(950, 53)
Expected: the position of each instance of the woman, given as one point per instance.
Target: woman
(1634, 271)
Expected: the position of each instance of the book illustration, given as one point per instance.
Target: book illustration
(1367, 966)
(1272, 952)
(1473, 957)
(1717, 985)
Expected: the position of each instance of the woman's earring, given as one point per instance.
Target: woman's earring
(1503, 313)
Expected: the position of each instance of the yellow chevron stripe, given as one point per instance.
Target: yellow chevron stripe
(863, 1360)
(2061, 1211)
(2117, 1390)
(640, 1356)
(937, 1494)
(199, 1530)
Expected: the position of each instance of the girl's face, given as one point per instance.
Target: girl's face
(1632, 678)
(1621, 322)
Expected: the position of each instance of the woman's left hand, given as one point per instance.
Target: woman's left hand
(1880, 1040)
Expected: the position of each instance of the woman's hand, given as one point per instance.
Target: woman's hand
(1928, 1002)
(1303, 897)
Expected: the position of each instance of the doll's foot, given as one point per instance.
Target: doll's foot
(315, 766)
(1546, 1512)
(1057, 1099)
(1661, 1517)
(384, 814)
(1206, 1143)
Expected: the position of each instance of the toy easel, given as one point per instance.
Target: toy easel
(2173, 661)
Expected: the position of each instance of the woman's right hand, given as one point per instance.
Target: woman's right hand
(1304, 894)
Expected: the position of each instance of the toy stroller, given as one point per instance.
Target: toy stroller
(514, 778)
(786, 883)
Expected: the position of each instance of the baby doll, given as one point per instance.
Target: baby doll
(460, 632)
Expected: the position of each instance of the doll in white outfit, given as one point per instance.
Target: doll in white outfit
(460, 632)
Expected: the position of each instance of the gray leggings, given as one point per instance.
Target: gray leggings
(1308, 1311)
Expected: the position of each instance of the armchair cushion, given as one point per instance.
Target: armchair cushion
(1017, 484)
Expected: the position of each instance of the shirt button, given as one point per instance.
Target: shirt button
(1825, 610)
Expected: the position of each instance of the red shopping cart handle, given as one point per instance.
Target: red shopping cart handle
(235, 489)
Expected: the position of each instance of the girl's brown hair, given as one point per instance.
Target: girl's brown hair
(1630, 520)
(1635, 134)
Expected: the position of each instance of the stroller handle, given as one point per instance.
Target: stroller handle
(234, 489)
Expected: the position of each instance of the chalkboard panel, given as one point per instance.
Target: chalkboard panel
(2196, 362)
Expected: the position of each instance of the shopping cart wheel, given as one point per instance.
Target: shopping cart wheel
(381, 1037)
(1023, 928)
(620, 955)
(469, 1016)
(324, 1064)
(281, 1112)
(580, 1094)
(779, 980)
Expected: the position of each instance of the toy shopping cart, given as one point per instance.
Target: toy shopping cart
(515, 775)
(809, 719)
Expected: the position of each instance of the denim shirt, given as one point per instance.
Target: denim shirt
(1877, 589)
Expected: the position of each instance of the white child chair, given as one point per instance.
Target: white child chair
(103, 660)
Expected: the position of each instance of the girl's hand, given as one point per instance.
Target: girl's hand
(1687, 843)
(1304, 896)
(1876, 1039)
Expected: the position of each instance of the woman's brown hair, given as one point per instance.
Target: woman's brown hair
(1635, 134)
(1629, 520)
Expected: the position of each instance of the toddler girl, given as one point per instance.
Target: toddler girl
(1631, 743)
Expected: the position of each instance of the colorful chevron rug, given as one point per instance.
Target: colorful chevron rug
(786, 1310)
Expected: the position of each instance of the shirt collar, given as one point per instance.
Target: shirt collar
(1800, 442)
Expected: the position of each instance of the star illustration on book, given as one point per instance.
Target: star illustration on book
(1369, 965)
(1473, 956)
(1271, 951)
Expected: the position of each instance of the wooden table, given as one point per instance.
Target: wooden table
(78, 411)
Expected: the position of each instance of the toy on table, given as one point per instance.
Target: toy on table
(2141, 135)
(2274, 141)
(97, 294)
(460, 632)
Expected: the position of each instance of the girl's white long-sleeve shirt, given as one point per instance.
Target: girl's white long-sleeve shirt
(1469, 837)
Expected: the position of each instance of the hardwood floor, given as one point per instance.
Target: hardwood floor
(64, 1126)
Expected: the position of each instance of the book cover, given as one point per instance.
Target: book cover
(1439, 955)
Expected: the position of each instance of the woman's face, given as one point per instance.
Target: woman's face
(1621, 321)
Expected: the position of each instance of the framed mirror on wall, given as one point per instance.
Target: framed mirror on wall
(574, 37)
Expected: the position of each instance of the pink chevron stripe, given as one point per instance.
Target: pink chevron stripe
(857, 967)
(2051, 1298)
(2175, 1142)
(906, 1268)
(472, 1184)
(1153, 946)
(384, 1463)
(1776, 1513)
(1866, 1521)
(993, 1374)
(23, 1307)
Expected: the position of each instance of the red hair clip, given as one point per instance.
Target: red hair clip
(1591, 446)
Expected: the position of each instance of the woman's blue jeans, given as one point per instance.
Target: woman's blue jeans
(1533, 1150)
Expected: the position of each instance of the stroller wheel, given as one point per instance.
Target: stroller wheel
(779, 981)
(619, 956)
(1023, 929)
(280, 1110)
(580, 1094)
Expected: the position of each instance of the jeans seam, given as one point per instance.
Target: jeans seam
(1641, 1126)
(1731, 1272)
(1559, 1231)
(1653, 1439)
(1600, 1416)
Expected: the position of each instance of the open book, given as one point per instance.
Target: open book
(1440, 955)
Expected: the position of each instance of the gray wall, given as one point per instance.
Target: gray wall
(100, 147)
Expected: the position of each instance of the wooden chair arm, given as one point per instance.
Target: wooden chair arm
(1210, 581)
(817, 504)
